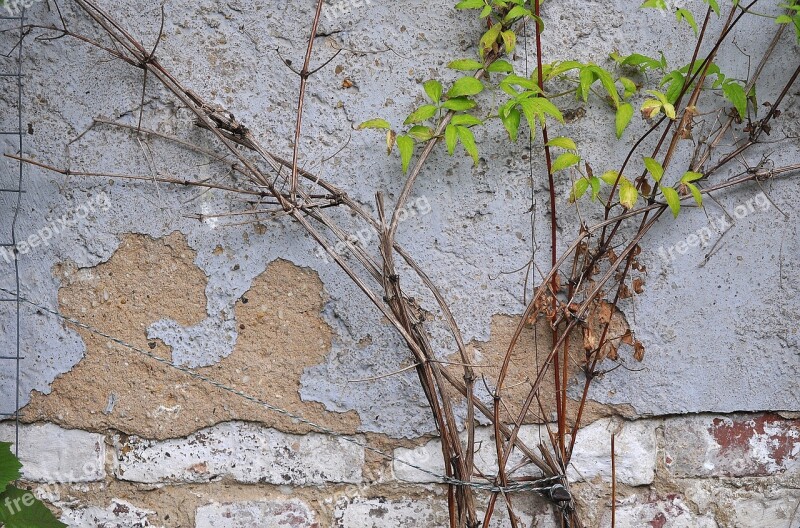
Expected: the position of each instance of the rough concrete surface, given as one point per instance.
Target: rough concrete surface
(253, 304)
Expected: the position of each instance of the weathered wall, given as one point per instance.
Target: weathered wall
(129, 441)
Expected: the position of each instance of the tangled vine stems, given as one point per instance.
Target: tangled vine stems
(567, 309)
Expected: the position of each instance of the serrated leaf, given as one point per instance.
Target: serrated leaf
(500, 66)
(459, 104)
(489, 38)
(654, 168)
(509, 40)
(628, 195)
(391, 135)
(465, 86)
(579, 188)
(465, 120)
(564, 161)
(406, 147)
(9, 466)
(434, 90)
(690, 176)
(511, 122)
(374, 123)
(21, 509)
(421, 133)
(562, 142)
(673, 200)
(423, 113)
(623, 118)
(468, 140)
(698, 196)
(539, 107)
(465, 65)
(451, 138)
(734, 93)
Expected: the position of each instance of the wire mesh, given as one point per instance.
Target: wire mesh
(11, 192)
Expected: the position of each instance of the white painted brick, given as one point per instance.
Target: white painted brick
(263, 514)
(429, 456)
(383, 513)
(52, 454)
(244, 452)
(672, 512)
(635, 452)
(119, 514)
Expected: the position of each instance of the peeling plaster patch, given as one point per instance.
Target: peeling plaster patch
(280, 334)
(528, 357)
(119, 514)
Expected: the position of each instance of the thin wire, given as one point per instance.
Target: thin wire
(14, 296)
(535, 486)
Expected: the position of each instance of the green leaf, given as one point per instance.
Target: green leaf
(374, 123)
(611, 177)
(654, 168)
(21, 509)
(698, 196)
(655, 4)
(691, 177)
(562, 142)
(628, 195)
(421, 133)
(595, 183)
(486, 11)
(624, 115)
(468, 140)
(406, 147)
(9, 465)
(564, 161)
(673, 200)
(516, 12)
(685, 14)
(509, 40)
(714, 5)
(450, 138)
(637, 60)
(578, 189)
(465, 86)
(500, 66)
(423, 113)
(470, 4)
(511, 122)
(434, 90)
(539, 107)
(465, 65)
(587, 78)
(651, 108)
(489, 38)
(734, 93)
(629, 87)
(465, 120)
(459, 104)
(669, 110)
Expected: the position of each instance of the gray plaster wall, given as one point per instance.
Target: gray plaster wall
(720, 337)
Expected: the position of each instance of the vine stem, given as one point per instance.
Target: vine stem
(304, 75)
